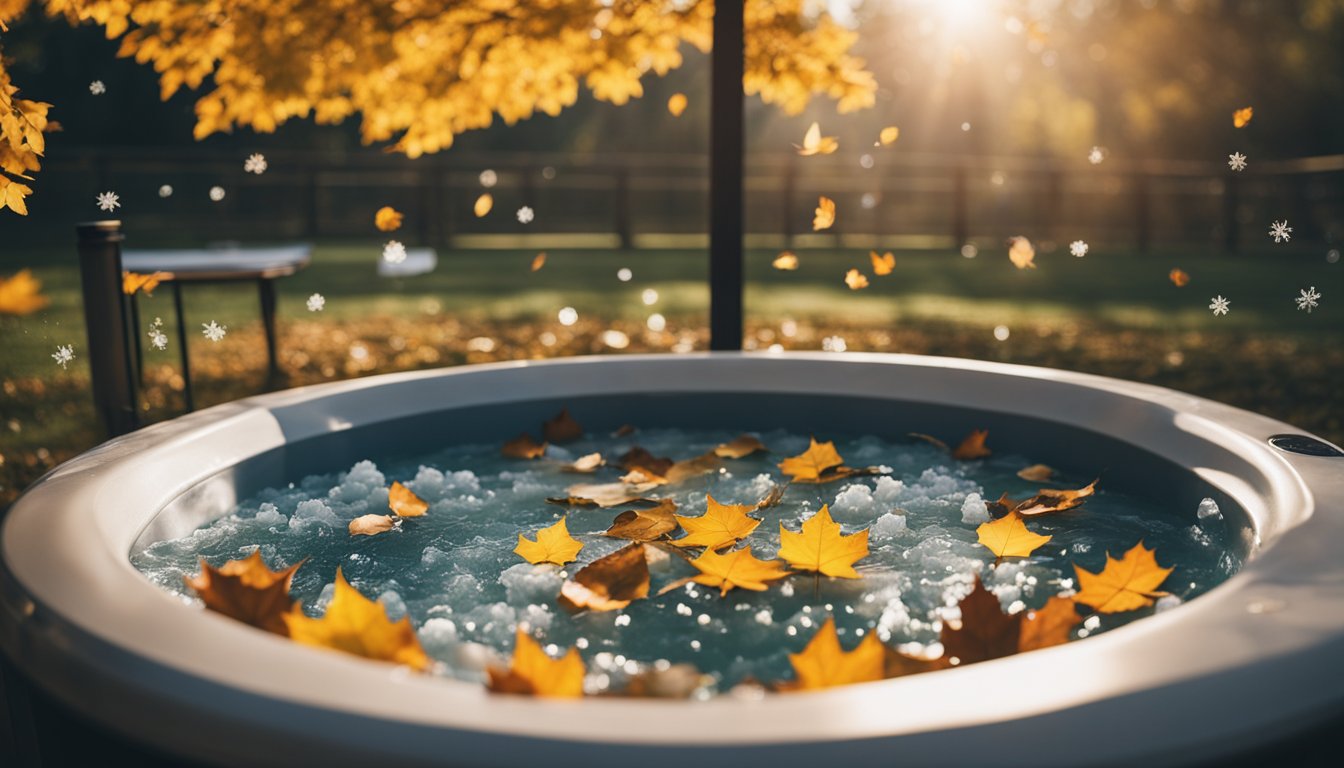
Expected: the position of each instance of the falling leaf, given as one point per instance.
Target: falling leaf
(483, 204)
(888, 135)
(772, 497)
(404, 503)
(1008, 537)
(355, 624)
(1046, 500)
(882, 264)
(21, 294)
(1123, 585)
(609, 583)
(810, 464)
(816, 144)
(644, 524)
(585, 464)
(1242, 116)
(553, 545)
(1179, 278)
(1021, 253)
(248, 591)
(720, 526)
(538, 261)
(523, 447)
(533, 673)
(824, 664)
(986, 632)
(371, 525)
(740, 446)
(738, 568)
(676, 104)
(134, 281)
(387, 219)
(856, 280)
(785, 261)
(638, 458)
(973, 447)
(1049, 625)
(1036, 473)
(821, 547)
(561, 428)
(825, 215)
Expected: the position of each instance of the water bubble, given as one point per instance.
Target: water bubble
(1332, 255)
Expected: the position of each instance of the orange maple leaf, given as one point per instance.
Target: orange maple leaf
(882, 264)
(1122, 585)
(973, 447)
(247, 590)
(810, 464)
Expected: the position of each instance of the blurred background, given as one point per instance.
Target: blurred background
(1103, 121)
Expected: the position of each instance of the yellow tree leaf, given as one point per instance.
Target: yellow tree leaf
(676, 104)
(21, 294)
(856, 280)
(609, 583)
(387, 219)
(884, 263)
(553, 545)
(523, 447)
(821, 547)
(357, 625)
(1242, 116)
(1022, 253)
(404, 503)
(888, 135)
(1122, 585)
(720, 526)
(134, 281)
(786, 261)
(810, 464)
(738, 568)
(371, 525)
(1008, 537)
(247, 590)
(561, 428)
(825, 214)
(483, 205)
(1051, 624)
(824, 664)
(683, 470)
(816, 144)
(973, 447)
(644, 524)
(534, 673)
(739, 447)
(1036, 473)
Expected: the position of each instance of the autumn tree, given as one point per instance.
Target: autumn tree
(419, 72)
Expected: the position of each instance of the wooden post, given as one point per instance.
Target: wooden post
(726, 143)
(99, 245)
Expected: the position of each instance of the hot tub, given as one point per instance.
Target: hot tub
(1257, 657)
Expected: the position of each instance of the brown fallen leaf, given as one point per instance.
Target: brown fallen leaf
(533, 673)
(1049, 500)
(609, 583)
(897, 664)
(607, 494)
(786, 261)
(882, 264)
(637, 458)
(1021, 253)
(739, 447)
(686, 469)
(856, 280)
(404, 503)
(973, 447)
(561, 428)
(585, 464)
(1036, 473)
(523, 447)
(357, 625)
(1051, 624)
(930, 439)
(772, 497)
(248, 591)
(371, 525)
(1179, 278)
(538, 261)
(824, 664)
(387, 219)
(986, 632)
(623, 431)
(644, 524)
(1125, 584)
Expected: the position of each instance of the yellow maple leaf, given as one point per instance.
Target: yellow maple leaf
(824, 664)
(883, 263)
(387, 219)
(1022, 253)
(810, 464)
(357, 625)
(738, 568)
(404, 503)
(888, 135)
(247, 590)
(1008, 537)
(483, 204)
(534, 673)
(676, 104)
(816, 144)
(21, 294)
(856, 280)
(721, 525)
(1242, 116)
(825, 214)
(553, 545)
(1122, 585)
(821, 547)
(134, 281)
(786, 261)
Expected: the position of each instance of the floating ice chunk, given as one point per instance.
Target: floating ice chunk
(393, 604)
(357, 484)
(313, 511)
(853, 501)
(887, 490)
(269, 514)
(1209, 508)
(1092, 623)
(537, 617)
(1166, 603)
(889, 526)
(764, 617)
(438, 636)
(475, 657)
(527, 583)
(973, 510)
(761, 485)
(1199, 536)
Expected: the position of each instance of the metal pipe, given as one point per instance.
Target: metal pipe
(99, 245)
(726, 145)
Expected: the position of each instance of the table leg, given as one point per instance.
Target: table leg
(182, 346)
(266, 290)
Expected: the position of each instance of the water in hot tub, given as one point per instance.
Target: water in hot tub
(455, 574)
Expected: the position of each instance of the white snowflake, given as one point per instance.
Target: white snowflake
(157, 338)
(1236, 161)
(1308, 300)
(1078, 248)
(1096, 155)
(216, 194)
(166, 190)
(1219, 305)
(316, 302)
(63, 355)
(1280, 231)
(525, 214)
(109, 201)
(255, 163)
(394, 252)
(97, 88)
(214, 331)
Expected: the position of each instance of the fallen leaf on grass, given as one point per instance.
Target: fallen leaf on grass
(1122, 585)
(1008, 536)
(1022, 253)
(883, 264)
(21, 294)
(609, 583)
(357, 625)
(786, 261)
(404, 503)
(248, 591)
(738, 568)
(816, 144)
(973, 447)
(820, 546)
(720, 526)
(644, 524)
(533, 673)
(1036, 473)
(387, 219)
(561, 428)
(371, 525)
(740, 446)
(856, 280)
(523, 447)
(825, 214)
(824, 664)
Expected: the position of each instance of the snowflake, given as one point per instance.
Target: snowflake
(216, 193)
(97, 88)
(1096, 155)
(157, 338)
(1236, 161)
(394, 252)
(525, 215)
(1308, 300)
(1078, 248)
(63, 355)
(1219, 305)
(316, 302)
(255, 163)
(108, 201)
(1280, 231)
(166, 190)
(214, 331)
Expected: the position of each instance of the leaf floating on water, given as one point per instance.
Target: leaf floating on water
(678, 681)
(720, 526)
(607, 494)
(986, 632)
(786, 261)
(816, 144)
(686, 469)
(1022, 253)
(739, 447)
(676, 104)
(809, 464)
(1008, 536)
(585, 464)
(856, 280)
(523, 447)
(1050, 625)
(824, 664)
(1049, 500)
(624, 430)
(1178, 278)
(538, 261)
(820, 546)
(888, 135)
(21, 294)
(553, 545)
(248, 591)
(533, 673)
(738, 568)
(644, 524)
(883, 264)
(403, 501)
(1123, 585)
(897, 664)
(483, 204)
(1242, 116)
(973, 447)
(930, 439)
(371, 525)
(561, 428)
(638, 458)
(772, 497)
(1036, 473)
(387, 219)
(609, 583)
(357, 625)
(825, 214)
